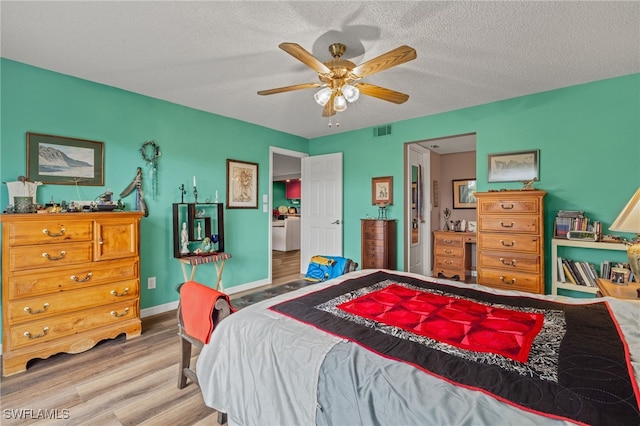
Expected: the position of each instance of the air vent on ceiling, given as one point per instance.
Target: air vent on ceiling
(382, 130)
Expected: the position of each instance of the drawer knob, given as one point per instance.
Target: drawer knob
(448, 251)
(504, 262)
(59, 234)
(82, 280)
(30, 336)
(115, 314)
(448, 262)
(507, 244)
(448, 241)
(62, 254)
(511, 281)
(505, 207)
(39, 311)
(115, 293)
(506, 226)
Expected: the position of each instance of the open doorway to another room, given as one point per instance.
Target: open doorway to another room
(432, 168)
(286, 207)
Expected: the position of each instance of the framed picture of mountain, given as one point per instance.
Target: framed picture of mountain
(61, 160)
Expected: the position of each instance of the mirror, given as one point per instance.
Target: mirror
(415, 220)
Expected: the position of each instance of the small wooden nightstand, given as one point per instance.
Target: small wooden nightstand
(608, 288)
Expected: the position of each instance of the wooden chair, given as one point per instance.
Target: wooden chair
(221, 310)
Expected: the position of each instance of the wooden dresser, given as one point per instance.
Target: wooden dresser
(69, 280)
(511, 240)
(452, 254)
(378, 244)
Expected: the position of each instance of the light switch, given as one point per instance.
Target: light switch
(265, 198)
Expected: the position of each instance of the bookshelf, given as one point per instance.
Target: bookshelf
(558, 243)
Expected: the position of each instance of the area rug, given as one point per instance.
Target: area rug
(249, 299)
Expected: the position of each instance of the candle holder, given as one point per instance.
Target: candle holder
(195, 195)
(182, 192)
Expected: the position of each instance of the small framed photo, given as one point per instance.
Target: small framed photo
(61, 160)
(382, 190)
(620, 275)
(464, 194)
(520, 166)
(242, 185)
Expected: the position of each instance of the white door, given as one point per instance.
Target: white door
(321, 216)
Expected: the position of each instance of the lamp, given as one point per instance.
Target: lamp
(339, 103)
(322, 96)
(629, 221)
(350, 93)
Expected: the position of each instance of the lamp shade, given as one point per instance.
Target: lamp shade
(629, 218)
(350, 93)
(322, 96)
(339, 103)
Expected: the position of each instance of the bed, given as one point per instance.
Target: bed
(394, 348)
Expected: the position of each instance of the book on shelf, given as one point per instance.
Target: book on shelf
(575, 274)
(584, 269)
(571, 220)
(567, 272)
(561, 276)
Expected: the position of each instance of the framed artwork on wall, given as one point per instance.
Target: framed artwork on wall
(61, 160)
(464, 194)
(242, 185)
(382, 190)
(520, 166)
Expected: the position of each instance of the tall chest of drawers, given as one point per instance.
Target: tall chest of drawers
(378, 244)
(69, 280)
(511, 240)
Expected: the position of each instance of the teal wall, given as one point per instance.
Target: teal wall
(279, 194)
(588, 136)
(192, 142)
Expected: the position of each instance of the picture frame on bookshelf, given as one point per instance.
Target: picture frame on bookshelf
(620, 275)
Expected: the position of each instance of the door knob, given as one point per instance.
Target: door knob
(337, 222)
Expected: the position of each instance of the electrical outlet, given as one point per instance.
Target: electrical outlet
(151, 283)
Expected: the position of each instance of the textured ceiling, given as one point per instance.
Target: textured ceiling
(215, 56)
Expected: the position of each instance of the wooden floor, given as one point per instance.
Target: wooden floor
(119, 382)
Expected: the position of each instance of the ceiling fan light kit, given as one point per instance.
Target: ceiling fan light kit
(340, 78)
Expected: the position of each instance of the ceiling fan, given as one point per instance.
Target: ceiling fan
(340, 78)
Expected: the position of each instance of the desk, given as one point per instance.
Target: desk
(218, 259)
(452, 257)
(608, 288)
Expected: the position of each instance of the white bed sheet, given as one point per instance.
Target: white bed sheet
(261, 367)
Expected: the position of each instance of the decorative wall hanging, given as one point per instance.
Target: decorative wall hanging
(518, 166)
(136, 184)
(60, 160)
(242, 185)
(150, 154)
(382, 190)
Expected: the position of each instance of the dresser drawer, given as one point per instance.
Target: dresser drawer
(528, 224)
(447, 241)
(509, 243)
(448, 251)
(27, 284)
(449, 262)
(508, 205)
(49, 231)
(373, 262)
(63, 302)
(509, 262)
(48, 329)
(49, 256)
(510, 280)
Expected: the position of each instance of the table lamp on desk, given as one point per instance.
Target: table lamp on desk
(629, 221)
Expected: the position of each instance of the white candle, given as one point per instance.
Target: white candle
(194, 181)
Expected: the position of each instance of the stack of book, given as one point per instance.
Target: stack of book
(570, 220)
(576, 272)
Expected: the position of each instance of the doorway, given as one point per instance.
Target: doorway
(429, 168)
(284, 164)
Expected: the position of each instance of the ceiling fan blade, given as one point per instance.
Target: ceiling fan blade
(328, 110)
(382, 93)
(289, 88)
(385, 61)
(305, 57)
